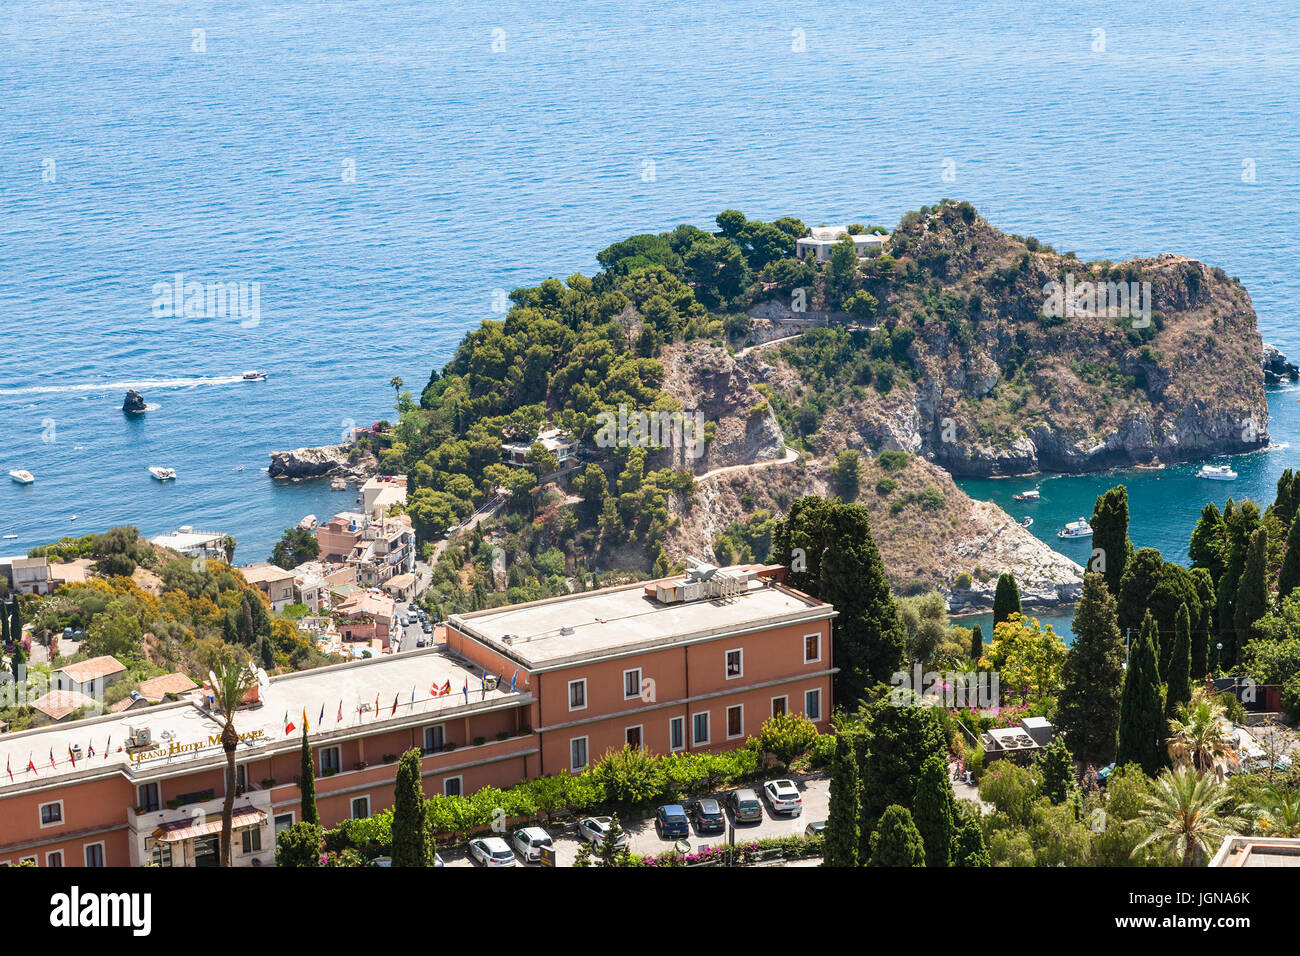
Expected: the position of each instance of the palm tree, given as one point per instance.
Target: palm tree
(230, 682)
(1196, 737)
(396, 382)
(1277, 813)
(228, 545)
(1180, 819)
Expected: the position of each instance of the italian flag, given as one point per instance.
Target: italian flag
(288, 724)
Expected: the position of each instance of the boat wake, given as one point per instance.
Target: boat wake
(140, 386)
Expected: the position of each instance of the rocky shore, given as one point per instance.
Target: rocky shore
(351, 461)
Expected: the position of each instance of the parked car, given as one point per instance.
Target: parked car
(671, 821)
(426, 628)
(491, 851)
(529, 842)
(595, 829)
(438, 861)
(783, 796)
(817, 828)
(708, 816)
(422, 642)
(745, 807)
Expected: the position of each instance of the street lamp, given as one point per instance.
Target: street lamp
(1217, 649)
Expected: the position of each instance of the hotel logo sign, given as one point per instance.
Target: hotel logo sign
(176, 749)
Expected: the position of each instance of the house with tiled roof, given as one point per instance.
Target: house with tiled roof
(89, 677)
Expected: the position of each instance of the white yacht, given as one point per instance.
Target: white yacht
(162, 474)
(254, 376)
(1217, 473)
(1076, 529)
(22, 477)
(1030, 495)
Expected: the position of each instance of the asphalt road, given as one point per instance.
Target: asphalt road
(815, 791)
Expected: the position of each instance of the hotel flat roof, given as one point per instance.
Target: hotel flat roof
(175, 727)
(615, 621)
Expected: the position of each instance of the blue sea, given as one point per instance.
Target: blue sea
(382, 172)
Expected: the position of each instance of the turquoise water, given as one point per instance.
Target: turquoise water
(384, 169)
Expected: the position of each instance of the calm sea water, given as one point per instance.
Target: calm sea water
(383, 169)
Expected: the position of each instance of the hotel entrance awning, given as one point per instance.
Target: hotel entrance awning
(188, 830)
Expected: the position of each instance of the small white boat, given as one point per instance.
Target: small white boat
(1030, 495)
(254, 376)
(1076, 529)
(10, 537)
(1217, 473)
(339, 484)
(162, 474)
(1026, 522)
(22, 477)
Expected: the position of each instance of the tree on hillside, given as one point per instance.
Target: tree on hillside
(1057, 767)
(903, 736)
(896, 841)
(1093, 675)
(840, 847)
(831, 554)
(845, 474)
(408, 826)
(1284, 504)
(295, 546)
(970, 849)
(1240, 524)
(1289, 576)
(1006, 598)
(1252, 590)
(1110, 535)
(1206, 548)
(307, 782)
(1141, 738)
(934, 811)
(1179, 680)
(976, 642)
(1141, 576)
(1175, 588)
(1203, 626)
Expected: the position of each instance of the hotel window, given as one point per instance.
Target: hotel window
(677, 733)
(241, 779)
(780, 705)
(52, 813)
(282, 822)
(162, 854)
(812, 648)
(451, 787)
(700, 728)
(632, 683)
(252, 838)
(577, 754)
(633, 737)
(329, 760)
(360, 808)
(434, 738)
(735, 663)
(54, 858)
(27, 859)
(94, 854)
(578, 694)
(149, 798)
(735, 721)
(812, 704)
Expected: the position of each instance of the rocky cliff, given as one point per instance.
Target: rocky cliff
(350, 461)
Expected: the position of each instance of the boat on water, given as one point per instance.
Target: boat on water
(1026, 522)
(339, 484)
(1217, 473)
(162, 474)
(10, 537)
(1076, 529)
(254, 376)
(1031, 495)
(22, 477)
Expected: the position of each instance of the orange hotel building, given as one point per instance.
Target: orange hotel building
(682, 664)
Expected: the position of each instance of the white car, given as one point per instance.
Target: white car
(595, 829)
(783, 795)
(491, 851)
(529, 842)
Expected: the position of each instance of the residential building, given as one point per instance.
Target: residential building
(90, 677)
(155, 689)
(377, 549)
(823, 239)
(276, 583)
(31, 575)
(380, 493)
(192, 543)
(558, 443)
(58, 704)
(366, 616)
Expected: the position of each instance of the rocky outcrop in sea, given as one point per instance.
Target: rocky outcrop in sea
(351, 461)
(134, 403)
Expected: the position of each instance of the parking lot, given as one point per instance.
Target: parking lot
(814, 790)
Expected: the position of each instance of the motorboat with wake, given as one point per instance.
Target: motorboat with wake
(1031, 495)
(1217, 473)
(254, 376)
(1076, 529)
(22, 477)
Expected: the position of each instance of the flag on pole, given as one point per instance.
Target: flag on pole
(91, 751)
(72, 757)
(376, 703)
(306, 727)
(465, 690)
(7, 770)
(31, 767)
(321, 719)
(513, 678)
(340, 717)
(394, 710)
(446, 688)
(52, 763)
(412, 695)
(108, 746)
(288, 724)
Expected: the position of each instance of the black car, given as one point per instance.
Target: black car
(708, 816)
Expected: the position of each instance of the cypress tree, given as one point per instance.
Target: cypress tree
(307, 783)
(1179, 688)
(408, 825)
(1110, 535)
(1057, 766)
(1092, 676)
(1252, 590)
(902, 739)
(1203, 627)
(1240, 524)
(1206, 548)
(16, 622)
(1006, 599)
(1284, 504)
(1141, 715)
(896, 841)
(840, 847)
(976, 643)
(1289, 576)
(1141, 577)
(17, 662)
(934, 811)
(970, 849)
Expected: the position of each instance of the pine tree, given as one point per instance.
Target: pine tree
(410, 846)
(1092, 676)
(1006, 599)
(976, 643)
(902, 739)
(934, 811)
(1110, 535)
(1289, 576)
(1141, 716)
(307, 783)
(896, 842)
(840, 847)
(970, 849)
(1252, 590)
(1179, 681)
(1057, 767)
